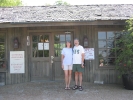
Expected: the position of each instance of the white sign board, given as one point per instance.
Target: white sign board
(17, 64)
(89, 53)
(46, 46)
(40, 46)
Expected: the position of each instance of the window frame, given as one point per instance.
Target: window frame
(5, 51)
(115, 29)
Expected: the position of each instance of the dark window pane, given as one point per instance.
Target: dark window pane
(46, 53)
(56, 53)
(2, 38)
(102, 44)
(59, 53)
(111, 61)
(56, 38)
(2, 47)
(101, 35)
(68, 37)
(110, 53)
(2, 64)
(62, 37)
(40, 53)
(102, 53)
(34, 38)
(56, 45)
(111, 44)
(2, 55)
(34, 49)
(110, 35)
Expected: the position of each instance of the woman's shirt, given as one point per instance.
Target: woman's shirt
(67, 52)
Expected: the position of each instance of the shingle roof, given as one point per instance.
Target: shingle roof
(66, 13)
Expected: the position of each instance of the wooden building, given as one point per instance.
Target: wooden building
(41, 33)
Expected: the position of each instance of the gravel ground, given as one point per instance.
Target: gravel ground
(55, 91)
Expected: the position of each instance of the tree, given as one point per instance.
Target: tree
(124, 49)
(10, 3)
(60, 2)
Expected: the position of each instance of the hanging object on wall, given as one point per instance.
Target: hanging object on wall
(85, 41)
(28, 40)
(16, 43)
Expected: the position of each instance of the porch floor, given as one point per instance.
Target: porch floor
(54, 90)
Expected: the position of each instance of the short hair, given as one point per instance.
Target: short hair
(76, 39)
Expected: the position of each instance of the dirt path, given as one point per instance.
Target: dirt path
(55, 91)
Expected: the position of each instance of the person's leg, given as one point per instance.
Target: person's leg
(80, 71)
(66, 78)
(69, 74)
(80, 78)
(69, 77)
(76, 78)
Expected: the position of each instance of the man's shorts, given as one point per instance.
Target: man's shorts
(67, 67)
(77, 68)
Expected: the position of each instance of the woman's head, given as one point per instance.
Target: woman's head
(68, 44)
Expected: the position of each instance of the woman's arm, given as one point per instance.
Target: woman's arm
(62, 57)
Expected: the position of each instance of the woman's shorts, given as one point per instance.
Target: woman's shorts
(77, 68)
(67, 67)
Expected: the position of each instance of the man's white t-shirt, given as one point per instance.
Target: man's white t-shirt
(77, 54)
(67, 52)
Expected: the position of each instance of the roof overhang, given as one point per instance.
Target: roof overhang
(68, 23)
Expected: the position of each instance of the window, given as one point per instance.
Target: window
(40, 45)
(2, 51)
(59, 43)
(106, 43)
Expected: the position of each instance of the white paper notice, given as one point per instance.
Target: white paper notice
(89, 53)
(17, 64)
(46, 46)
(40, 46)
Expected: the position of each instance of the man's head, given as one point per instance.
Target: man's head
(76, 42)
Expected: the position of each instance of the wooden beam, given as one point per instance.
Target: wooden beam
(76, 23)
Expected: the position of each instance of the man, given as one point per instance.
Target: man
(78, 64)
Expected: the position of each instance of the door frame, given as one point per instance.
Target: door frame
(52, 32)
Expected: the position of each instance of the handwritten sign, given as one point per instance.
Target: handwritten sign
(17, 64)
(89, 53)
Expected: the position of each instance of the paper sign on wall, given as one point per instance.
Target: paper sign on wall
(17, 64)
(89, 53)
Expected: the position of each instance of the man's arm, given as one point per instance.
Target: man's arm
(83, 59)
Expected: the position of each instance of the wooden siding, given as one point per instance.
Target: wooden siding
(40, 69)
(92, 71)
(21, 34)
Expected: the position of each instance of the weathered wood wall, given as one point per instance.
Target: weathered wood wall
(11, 33)
(92, 71)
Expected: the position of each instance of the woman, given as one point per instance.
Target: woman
(67, 63)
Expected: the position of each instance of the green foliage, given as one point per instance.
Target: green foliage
(124, 49)
(10, 3)
(60, 2)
